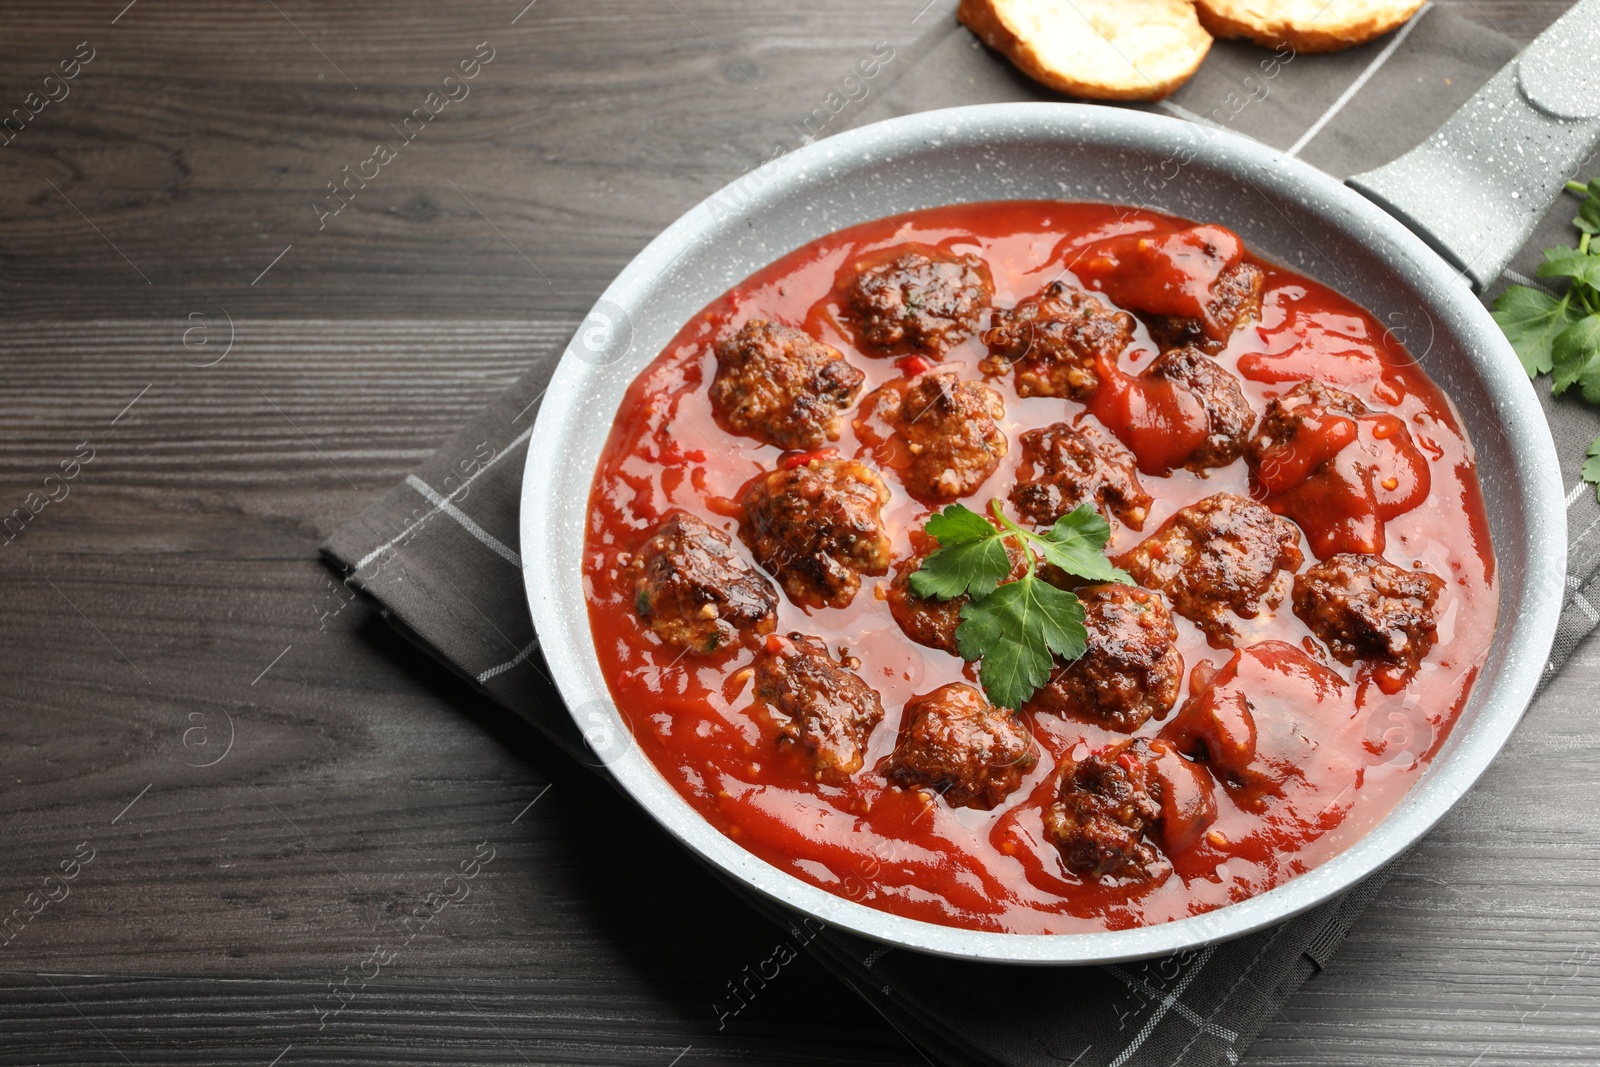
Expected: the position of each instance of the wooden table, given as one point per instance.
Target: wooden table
(266, 779)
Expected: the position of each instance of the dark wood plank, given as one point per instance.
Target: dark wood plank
(196, 144)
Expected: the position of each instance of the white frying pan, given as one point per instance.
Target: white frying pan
(1473, 208)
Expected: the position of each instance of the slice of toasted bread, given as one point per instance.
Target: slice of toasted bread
(1100, 49)
(1306, 25)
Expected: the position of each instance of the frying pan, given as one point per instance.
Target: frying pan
(1452, 213)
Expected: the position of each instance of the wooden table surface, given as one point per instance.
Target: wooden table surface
(251, 778)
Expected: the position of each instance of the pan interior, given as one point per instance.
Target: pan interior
(1284, 210)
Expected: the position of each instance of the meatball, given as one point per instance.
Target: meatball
(1102, 807)
(1365, 607)
(1324, 459)
(1190, 285)
(921, 299)
(1299, 431)
(1288, 415)
(826, 712)
(818, 526)
(1266, 724)
(1188, 801)
(1064, 466)
(946, 439)
(1132, 668)
(955, 742)
(928, 620)
(1235, 301)
(696, 591)
(1220, 561)
(1111, 808)
(1054, 341)
(1228, 414)
(777, 384)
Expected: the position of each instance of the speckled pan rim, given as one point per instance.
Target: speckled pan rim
(579, 406)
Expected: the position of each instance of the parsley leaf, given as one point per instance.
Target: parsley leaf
(1017, 631)
(1561, 335)
(1576, 352)
(971, 557)
(1591, 466)
(1076, 544)
(1572, 263)
(1588, 217)
(1015, 628)
(958, 524)
(1531, 320)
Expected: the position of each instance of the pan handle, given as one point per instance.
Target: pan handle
(1476, 188)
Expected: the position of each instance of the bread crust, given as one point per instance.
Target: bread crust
(1001, 25)
(1305, 25)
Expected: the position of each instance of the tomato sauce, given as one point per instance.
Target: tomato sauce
(1161, 423)
(1337, 751)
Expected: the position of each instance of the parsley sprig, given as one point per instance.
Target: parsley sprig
(1560, 336)
(1015, 628)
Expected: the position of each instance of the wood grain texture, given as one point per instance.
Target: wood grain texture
(192, 149)
(176, 586)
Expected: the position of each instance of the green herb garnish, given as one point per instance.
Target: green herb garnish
(1532, 320)
(1016, 628)
(1560, 336)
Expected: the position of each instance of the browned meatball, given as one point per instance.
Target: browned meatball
(946, 439)
(1112, 807)
(1220, 561)
(1053, 341)
(818, 526)
(1235, 301)
(926, 620)
(825, 711)
(1064, 466)
(929, 620)
(777, 384)
(1102, 808)
(1301, 407)
(1262, 722)
(1341, 470)
(693, 588)
(957, 743)
(1365, 607)
(1228, 414)
(1188, 800)
(1132, 668)
(921, 299)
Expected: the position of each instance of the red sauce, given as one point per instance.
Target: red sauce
(1343, 477)
(1167, 273)
(1161, 424)
(1343, 751)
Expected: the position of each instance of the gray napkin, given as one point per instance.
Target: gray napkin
(439, 555)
